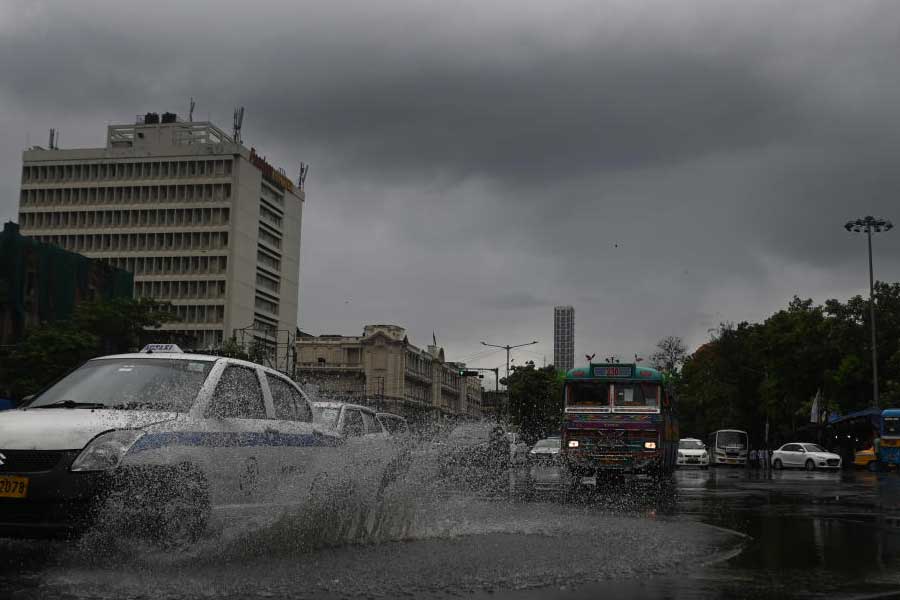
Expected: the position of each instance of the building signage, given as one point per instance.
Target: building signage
(612, 371)
(270, 173)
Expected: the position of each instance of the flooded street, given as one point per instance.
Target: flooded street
(729, 533)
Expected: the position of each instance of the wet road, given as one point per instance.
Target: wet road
(727, 534)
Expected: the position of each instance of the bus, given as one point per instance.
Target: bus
(728, 447)
(618, 419)
(889, 441)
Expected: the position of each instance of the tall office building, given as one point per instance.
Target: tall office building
(198, 218)
(564, 337)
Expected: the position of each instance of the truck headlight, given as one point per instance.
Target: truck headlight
(573, 443)
(106, 451)
(650, 445)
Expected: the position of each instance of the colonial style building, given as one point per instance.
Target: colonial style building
(382, 368)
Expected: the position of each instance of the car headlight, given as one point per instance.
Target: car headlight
(106, 451)
(650, 445)
(680, 455)
(704, 455)
(573, 443)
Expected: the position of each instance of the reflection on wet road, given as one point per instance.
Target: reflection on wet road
(730, 533)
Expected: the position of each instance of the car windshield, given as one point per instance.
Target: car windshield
(892, 426)
(328, 416)
(548, 443)
(690, 445)
(470, 434)
(129, 383)
(814, 448)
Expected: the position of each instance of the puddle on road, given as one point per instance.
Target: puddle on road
(474, 546)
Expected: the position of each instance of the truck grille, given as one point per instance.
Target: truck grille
(29, 461)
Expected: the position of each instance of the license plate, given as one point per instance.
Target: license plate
(13, 487)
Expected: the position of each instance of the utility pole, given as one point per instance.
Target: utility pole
(508, 348)
(869, 225)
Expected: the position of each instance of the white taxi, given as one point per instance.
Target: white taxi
(692, 453)
(171, 437)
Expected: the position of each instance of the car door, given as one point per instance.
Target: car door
(300, 441)
(791, 455)
(236, 424)
(352, 425)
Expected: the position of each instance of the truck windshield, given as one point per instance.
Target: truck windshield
(588, 394)
(636, 394)
(130, 384)
(892, 426)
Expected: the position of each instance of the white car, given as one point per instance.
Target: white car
(173, 438)
(805, 456)
(545, 469)
(350, 420)
(692, 453)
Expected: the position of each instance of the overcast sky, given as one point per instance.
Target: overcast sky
(662, 166)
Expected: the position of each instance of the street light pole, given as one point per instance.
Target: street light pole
(871, 224)
(508, 348)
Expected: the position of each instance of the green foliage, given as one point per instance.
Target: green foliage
(233, 349)
(49, 351)
(535, 400)
(752, 372)
(669, 356)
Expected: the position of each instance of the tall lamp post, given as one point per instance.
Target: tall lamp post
(870, 225)
(508, 348)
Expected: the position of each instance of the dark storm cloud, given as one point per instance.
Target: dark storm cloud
(663, 166)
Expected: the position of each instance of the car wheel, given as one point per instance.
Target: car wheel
(810, 465)
(167, 506)
(778, 464)
(873, 466)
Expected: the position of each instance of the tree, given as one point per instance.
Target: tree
(535, 400)
(46, 354)
(121, 324)
(670, 355)
(49, 351)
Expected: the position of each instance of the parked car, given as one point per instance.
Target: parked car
(866, 458)
(393, 424)
(350, 420)
(805, 456)
(169, 439)
(474, 455)
(692, 453)
(545, 469)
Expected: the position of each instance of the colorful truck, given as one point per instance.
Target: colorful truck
(619, 419)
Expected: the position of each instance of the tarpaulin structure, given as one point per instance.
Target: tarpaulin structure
(41, 283)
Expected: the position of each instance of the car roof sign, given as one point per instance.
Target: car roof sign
(171, 348)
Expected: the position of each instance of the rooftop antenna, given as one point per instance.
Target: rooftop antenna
(191, 111)
(238, 121)
(52, 137)
(304, 171)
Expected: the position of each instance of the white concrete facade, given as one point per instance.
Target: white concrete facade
(201, 221)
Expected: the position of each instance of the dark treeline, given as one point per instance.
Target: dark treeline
(753, 371)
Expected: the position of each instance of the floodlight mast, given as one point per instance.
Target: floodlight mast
(870, 225)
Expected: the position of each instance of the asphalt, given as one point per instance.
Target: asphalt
(722, 533)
